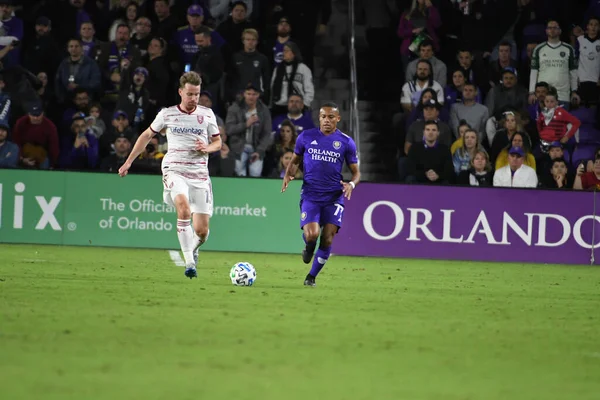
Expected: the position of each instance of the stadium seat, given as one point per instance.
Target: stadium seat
(588, 134)
(583, 152)
(585, 114)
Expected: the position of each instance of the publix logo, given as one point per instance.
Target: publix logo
(47, 206)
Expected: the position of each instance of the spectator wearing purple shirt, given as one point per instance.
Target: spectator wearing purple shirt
(79, 150)
(111, 57)
(302, 121)
(535, 109)
(80, 103)
(87, 33)
(13, 27)
(184, 40)
(273, 45)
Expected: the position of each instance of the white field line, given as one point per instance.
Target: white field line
(176, 257)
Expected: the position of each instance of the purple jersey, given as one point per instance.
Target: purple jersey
(302, 123)
(278, 52)
(323, 158)
(13, 27)
(88, 47)
(186, 42)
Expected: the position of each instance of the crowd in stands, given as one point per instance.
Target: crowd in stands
(494, 92)
(81, 79)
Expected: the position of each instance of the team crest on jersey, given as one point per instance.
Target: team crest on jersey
(598, 49)
(200, 118)
(303, 216)
(562, 54)
(337, 145)
(256, 63)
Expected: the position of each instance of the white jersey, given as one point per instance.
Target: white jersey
(589, 59)
(554, 65)
(183, 129)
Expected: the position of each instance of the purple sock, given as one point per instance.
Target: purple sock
(310, 246)
(320, 260)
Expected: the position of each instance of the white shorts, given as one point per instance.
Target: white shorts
(198, 194)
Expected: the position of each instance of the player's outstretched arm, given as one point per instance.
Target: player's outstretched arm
(138, 148)
(348, 187)
(290, 172)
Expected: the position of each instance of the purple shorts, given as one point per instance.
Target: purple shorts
(321, 213)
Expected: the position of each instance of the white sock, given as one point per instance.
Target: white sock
(186, 234)
(197, 241)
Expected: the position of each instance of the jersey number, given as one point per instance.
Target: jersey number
(339, 210)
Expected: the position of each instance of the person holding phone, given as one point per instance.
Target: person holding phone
(588, 180)
(80, 151)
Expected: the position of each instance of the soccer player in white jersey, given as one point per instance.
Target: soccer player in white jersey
(192, 133)
(555, 62)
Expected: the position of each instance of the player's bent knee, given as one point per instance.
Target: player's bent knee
(311, 235)
(202, 231)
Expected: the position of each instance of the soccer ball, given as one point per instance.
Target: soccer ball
(243, 274)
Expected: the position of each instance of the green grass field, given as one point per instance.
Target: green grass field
(99, 323)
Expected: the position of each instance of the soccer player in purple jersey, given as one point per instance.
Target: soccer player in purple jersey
(322, 152)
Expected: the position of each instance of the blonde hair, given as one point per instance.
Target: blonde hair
(250, 31)
(518, 120)
(190, 77)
